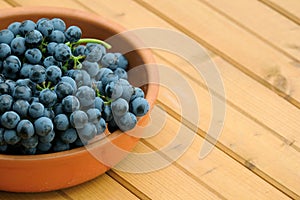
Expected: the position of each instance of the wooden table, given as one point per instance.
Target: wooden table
(256, 47)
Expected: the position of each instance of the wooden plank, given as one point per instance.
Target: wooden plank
(231, 42)
(31, 196)
(275, 30)
(235, 180)
(57, 3)
(103, 187)
(289, 8)
(246, 141)
(167, 183)
(4, 4)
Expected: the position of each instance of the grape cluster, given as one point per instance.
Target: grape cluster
(58, 91)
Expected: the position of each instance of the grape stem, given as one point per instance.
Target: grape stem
(90, 40)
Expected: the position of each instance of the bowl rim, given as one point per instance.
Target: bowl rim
(146, 55)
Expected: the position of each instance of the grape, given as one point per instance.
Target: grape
(81, 77)
(69, 136)
(51, 48)
(48, 98)
(44, 147)
(37, 73)
(25, 70)
(45, 27)
(29, 151)
(47, 138)
(5, 50)
(103, 72)
(43, 126)
(33, 56)
(99, 104)
(4, 88)
(86, 96)
(30, 142)
(6, 102)
(94, 115)
(70, 81)
(113, 90)
(21, 107)
(79, 50)
(109, 60)
(50, 60)
(53, 74)
(14, 27)
(70, 103)
(78, 119)
(61, 122)
(11, 66)
(18, 46)
(63, 89)
(127, 121)
(10, 119)
(138, 92)
(11, 84)
(36, 110)
(139, 106)
(111, 77)
(33, 38)
(100, 126)
(57, 36)
(2, 141)
(11, 137)
(22, 92)
(88, 132)
(128, 89)
(107, 113)
(58, 24)
(119, 107)
(112, 126)
(91, 68)
(73, 33)
(93, 52)
(62, 52)
(6, 36)
(48, 112)
(121, 73)
(26, 26)
(121, 61)
(27, 82)
(58, 109)
(60, 146)
(3, 148)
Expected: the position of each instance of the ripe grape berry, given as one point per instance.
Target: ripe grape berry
(58, 91)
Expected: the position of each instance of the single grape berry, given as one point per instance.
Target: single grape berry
(48, 98)
(14, 27)
(6, 36)
(10, 119)
(69, 136)
(73, 33)
(61, 122)
(22, 92)
(139, 106)
(5, 50)
(88, 132)
(18, 46)
(36, 110)
(45, 27)
(6, 102)
(37, 73)
(43, 126)
(30, 142)
(70, 103)
(58, 24)
(62, 52)
(78, 119)
(33, 38)
(53, 74)
(26, 26)
(21, 107)
(11, 137)
(34, 56)
(25, 129)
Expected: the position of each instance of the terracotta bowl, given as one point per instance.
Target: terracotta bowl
(55, 171)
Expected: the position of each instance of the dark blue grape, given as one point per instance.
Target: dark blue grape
(47, 138)
(36, 110)
(44, 147)
(45, 27)
(99, 104)
(22, 92)
(30, 142)
(70, 103)
(81, 77)
(48, 98)
(6, 102)
(25, 129)
(139, 106)
(70, 81)
(58, 109)
(50, 60)
(88, 132)
(122, 62)
(91, 68)
(126, 122)
(100, 126)
(2, 141)
(43, 126)
(12, 84)
(138, 92)
(61, 122)
(6, 36)
(3, 148)
(112, 126)
(94, 115)
(103, 72)
(109, 60)
(18, 46)
(14, 27)
(11, 67)
(128, 89)
(73, 33)
(58, 24)
(48, 112)
(29, 151)
(111, 77)
(53, 74)
(33, 38)
(121, 73)
(25, 70)
(62, 52)
(119, 107)
(11, 137)
(27, 82)
(63, 89)
(60, 146)
(78, 119)
(21, 107)
(86, 96)
(69, 136)
(79, 50)
(37, 74)
(34, 56)
(51, 48)
(10, 119)
(4, 88)
(5, 50)
(113, 90)
(26, 26)
(57, 36)
(107, 113)
(93, 52)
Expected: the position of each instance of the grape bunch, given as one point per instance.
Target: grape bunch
(58, 90)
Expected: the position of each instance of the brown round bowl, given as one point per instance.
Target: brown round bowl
(53, 171)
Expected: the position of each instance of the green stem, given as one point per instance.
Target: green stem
(90, 40)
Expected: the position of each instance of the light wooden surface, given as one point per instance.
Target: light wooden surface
(256, 47)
